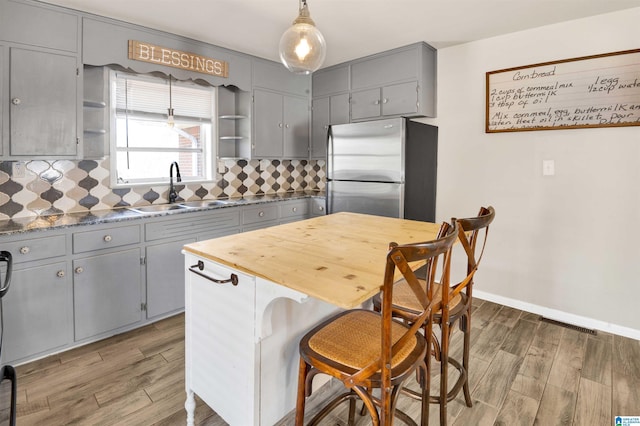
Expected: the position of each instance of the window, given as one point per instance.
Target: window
(144, 143)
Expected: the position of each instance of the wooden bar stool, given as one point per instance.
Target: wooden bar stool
(456, 307)
(369, 350)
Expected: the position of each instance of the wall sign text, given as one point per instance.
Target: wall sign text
(146, 52)
(591, 91)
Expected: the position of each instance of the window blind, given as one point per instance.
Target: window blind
(150, 95)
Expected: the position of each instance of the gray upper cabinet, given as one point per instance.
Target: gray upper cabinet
(281, 112)
(39, 77)
(43, 102)
(399, 82)
(330, 105)
(326, 111)
(105, 41)
(39, 25)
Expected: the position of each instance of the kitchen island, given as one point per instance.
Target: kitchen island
(274, 284)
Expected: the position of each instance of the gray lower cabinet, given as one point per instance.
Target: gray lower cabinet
(164, 262)
(259, 216)
(37, 311)
(294, 210)
(43, 115)
(107, 292)
(73, 286)
(317, 206)
(165, 277)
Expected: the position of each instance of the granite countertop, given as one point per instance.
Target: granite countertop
(41, 223)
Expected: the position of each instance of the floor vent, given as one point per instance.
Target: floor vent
(570, 326)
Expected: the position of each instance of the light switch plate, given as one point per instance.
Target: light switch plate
(548, 168)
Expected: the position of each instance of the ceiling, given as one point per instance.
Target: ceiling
(352, 28)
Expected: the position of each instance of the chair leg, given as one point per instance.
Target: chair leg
(465, 358)
(444, 370)
(300, 401)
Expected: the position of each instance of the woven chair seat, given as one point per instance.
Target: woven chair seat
(359, 329)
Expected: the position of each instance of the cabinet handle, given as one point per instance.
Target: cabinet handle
(385, 100)
(107, 238)
(16, 101)
(24, 250)
(377, 102)
(287, 126)
(280, 125)
(60, 274)
(200, 265)
(79, 270)
(261, 214)
(294, 209)
(321, 208)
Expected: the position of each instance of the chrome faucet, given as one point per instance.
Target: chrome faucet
(173, 195)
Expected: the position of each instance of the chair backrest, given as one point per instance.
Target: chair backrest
(470, 232)
(404, 258)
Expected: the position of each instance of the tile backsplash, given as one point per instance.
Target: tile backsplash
(65, 186)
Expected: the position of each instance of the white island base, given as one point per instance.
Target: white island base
(241, 343)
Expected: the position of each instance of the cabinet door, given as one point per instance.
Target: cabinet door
(296, 127)
(268, 124)
(37, 312)
(400, 99)
(339, 109)
(43, 91)
(365, 104)
(107, 294)
(384, 68)
(319, 125)
(165, 277)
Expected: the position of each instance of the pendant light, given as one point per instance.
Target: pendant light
(302, 47)
(170, 120)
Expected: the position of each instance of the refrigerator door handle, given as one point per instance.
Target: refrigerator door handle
(330, 152)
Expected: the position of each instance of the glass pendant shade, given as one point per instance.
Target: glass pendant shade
(302, 47)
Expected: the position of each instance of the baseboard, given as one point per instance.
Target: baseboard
(559, 315)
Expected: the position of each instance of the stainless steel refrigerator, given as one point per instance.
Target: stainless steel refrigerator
(383, 167)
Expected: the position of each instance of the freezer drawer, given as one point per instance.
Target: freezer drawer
(380, 199)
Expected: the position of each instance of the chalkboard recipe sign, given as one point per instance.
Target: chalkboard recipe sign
(591, 91)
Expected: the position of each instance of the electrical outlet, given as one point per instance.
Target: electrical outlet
(221, 167)
(18, 169)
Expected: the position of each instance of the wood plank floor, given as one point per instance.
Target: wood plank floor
(523, 372)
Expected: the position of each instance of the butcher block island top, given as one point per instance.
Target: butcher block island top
(338, 258)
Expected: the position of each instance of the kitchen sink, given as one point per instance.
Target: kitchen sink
(205, 203)
(156, 208)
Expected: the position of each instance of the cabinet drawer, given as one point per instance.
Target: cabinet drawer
(297, 208)
(193, 224)
(259, 214)
(105, 238)
(36, 249)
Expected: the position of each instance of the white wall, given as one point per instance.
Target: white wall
(567, 245)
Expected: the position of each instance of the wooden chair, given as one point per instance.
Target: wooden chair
(370, 350)
(456, 306)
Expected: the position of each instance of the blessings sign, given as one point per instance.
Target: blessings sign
(146, 52)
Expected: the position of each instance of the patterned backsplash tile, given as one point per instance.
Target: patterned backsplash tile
(65, 186)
